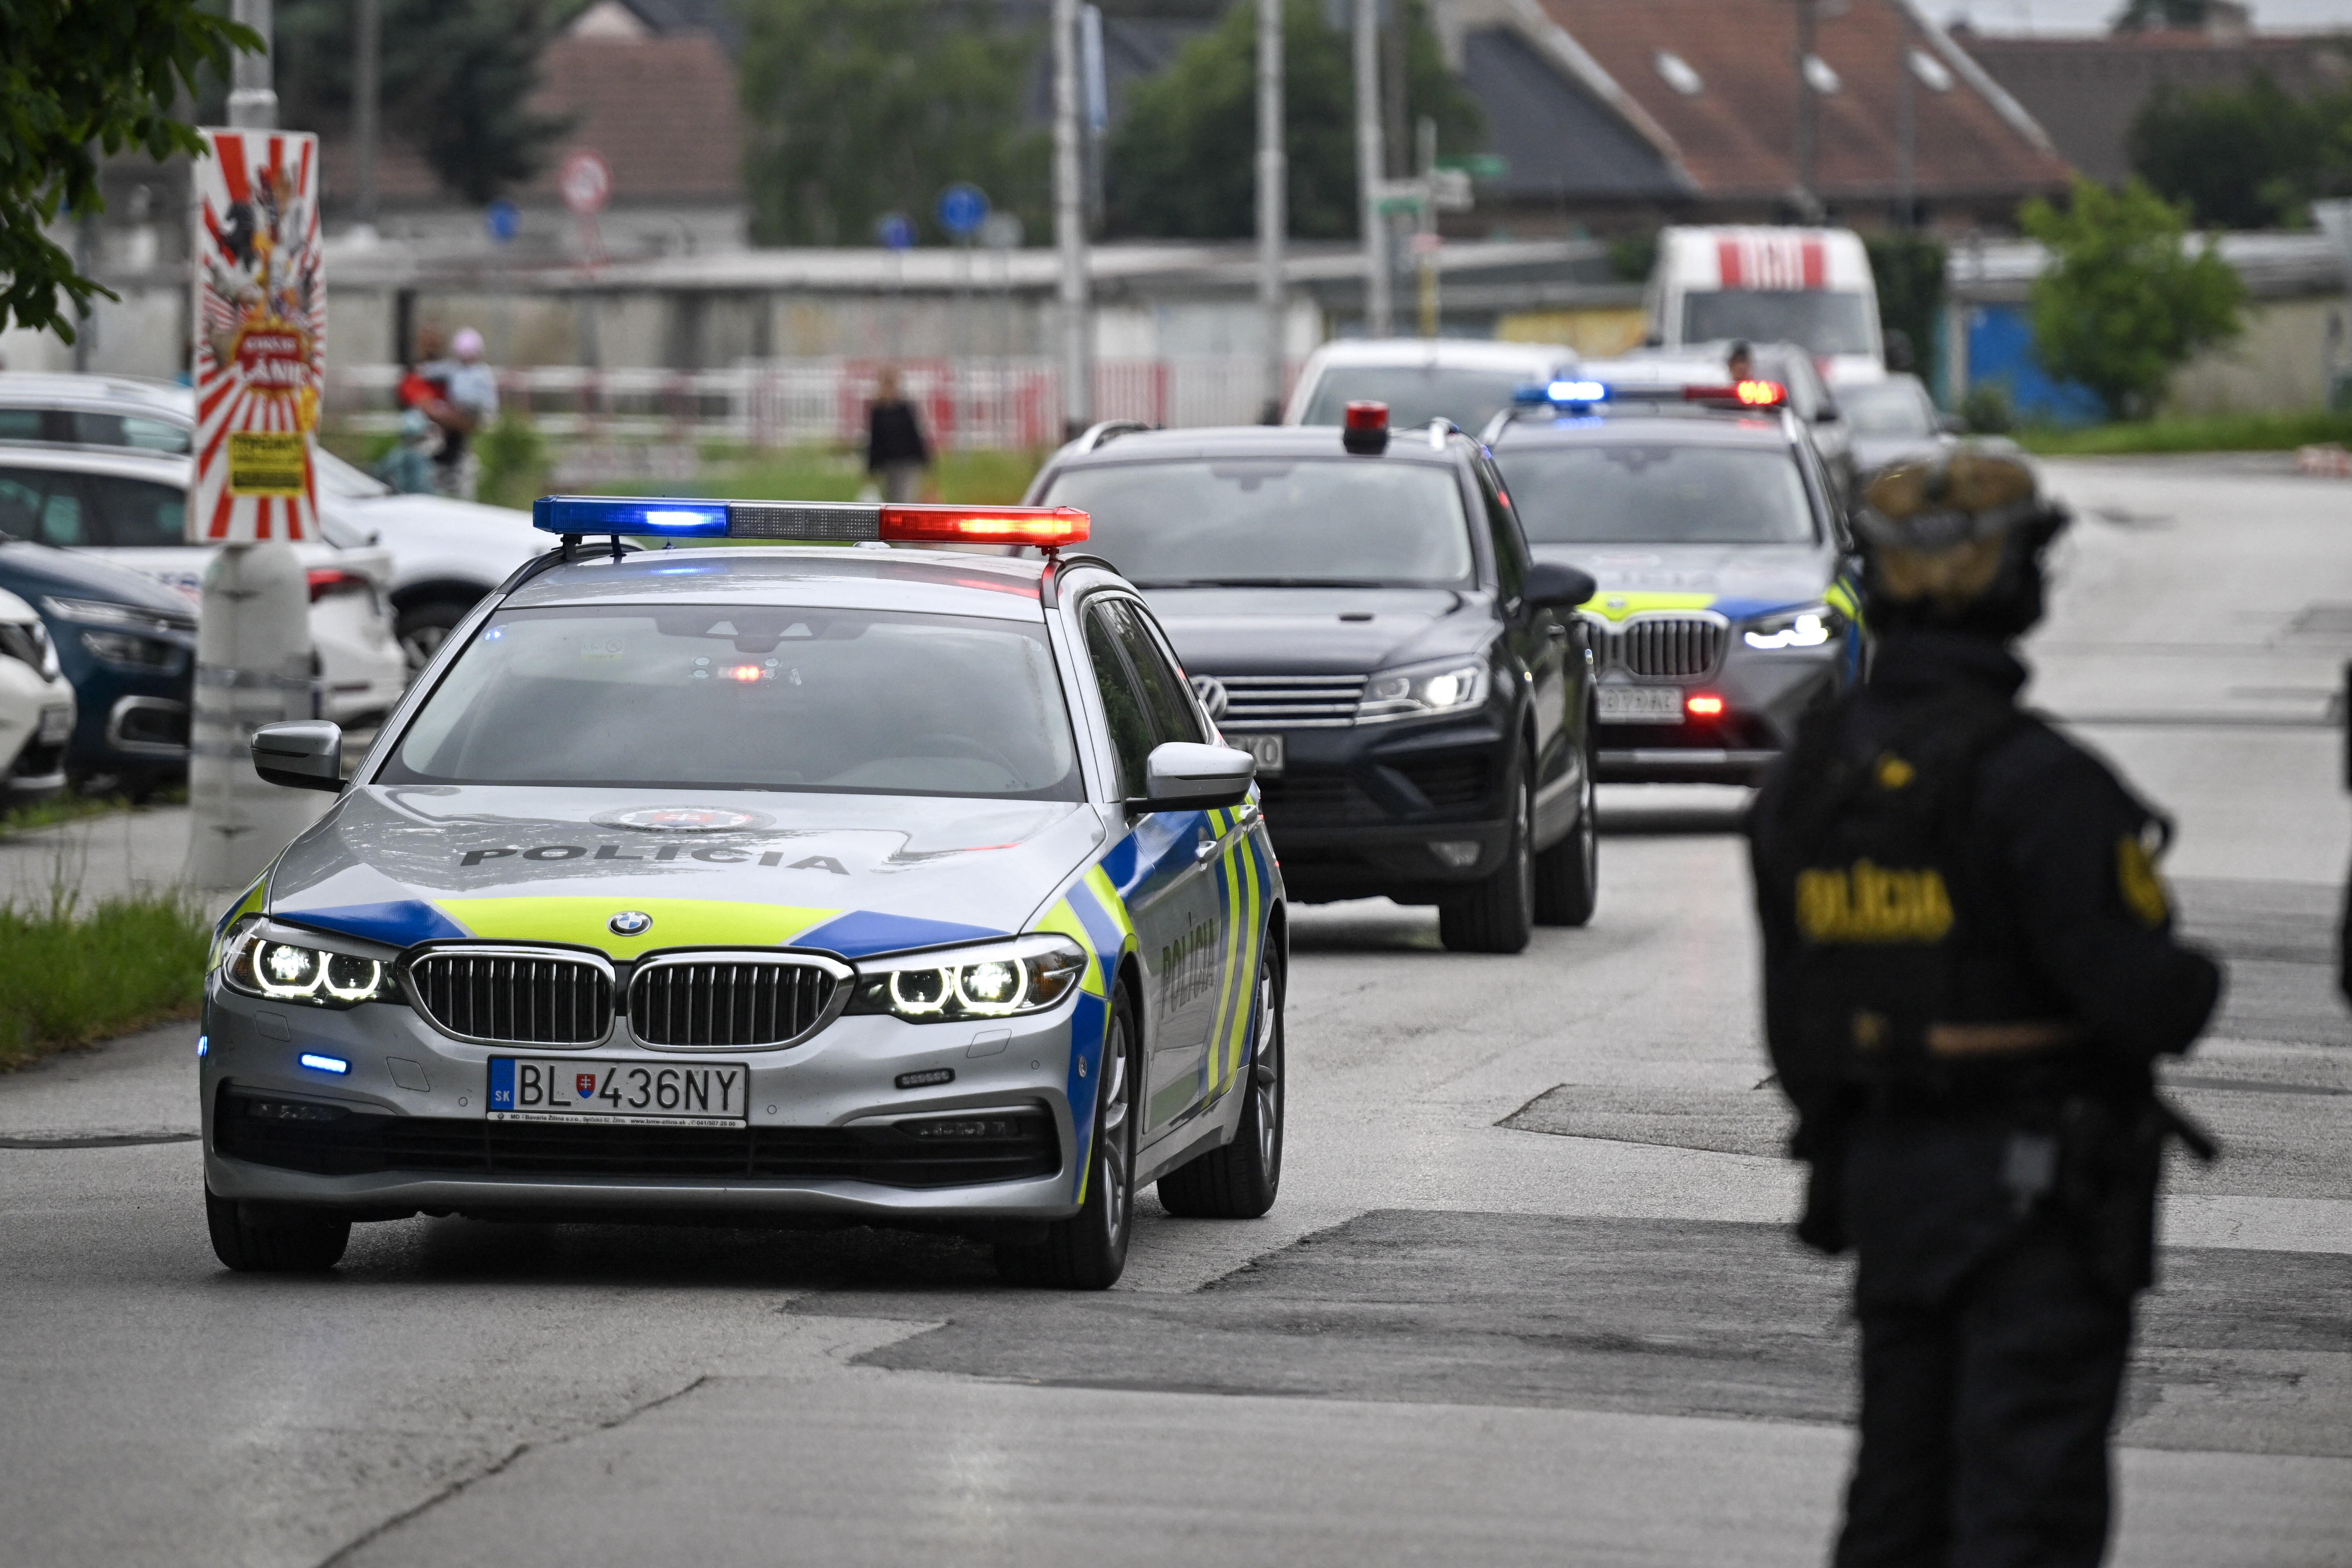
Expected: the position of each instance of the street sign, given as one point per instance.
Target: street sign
(963, 208)
(261, 351)
(503, 218)
(894, 231)
(1478, 165)
(586, 183)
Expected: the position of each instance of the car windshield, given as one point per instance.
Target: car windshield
(92, 427)
(743, 698)
(1658, 494)
(1826, 321)
(1276, 522)
(1417, 393)
(1897, 406)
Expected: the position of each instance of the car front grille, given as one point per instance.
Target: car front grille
(514, 998)
(1450, 782)
(1291, 701)
(247, 1126)
(728, 1004)
(1315, 798)
(1666, 647)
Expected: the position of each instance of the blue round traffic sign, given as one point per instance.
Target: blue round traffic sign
(503, 218)
(963, 208)
(894, 231)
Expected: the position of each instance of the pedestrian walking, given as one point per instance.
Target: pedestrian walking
(896, 451)
(1970, 970)
(408, 467)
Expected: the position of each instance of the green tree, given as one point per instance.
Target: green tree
(79, 78)
(1908, 270)
(1183, 161)
(456, 78)
(860, 107)
(2124, 298)
(2244, 157)
(2142, 15)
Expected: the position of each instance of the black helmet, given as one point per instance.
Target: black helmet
(1955, 538)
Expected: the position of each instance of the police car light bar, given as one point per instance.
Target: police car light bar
(1746, 393)
(828, 522)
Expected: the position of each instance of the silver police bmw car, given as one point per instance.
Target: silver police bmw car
(779, 885)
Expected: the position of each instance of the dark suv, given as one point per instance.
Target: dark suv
(1361, 610)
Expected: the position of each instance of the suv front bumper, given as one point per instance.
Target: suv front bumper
(1765, 696)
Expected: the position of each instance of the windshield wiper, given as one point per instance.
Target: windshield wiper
(1265, 582)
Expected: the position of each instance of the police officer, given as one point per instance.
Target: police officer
(1970, 968)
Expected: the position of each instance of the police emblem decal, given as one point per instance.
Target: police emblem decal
(1212, 693)
(630, 923)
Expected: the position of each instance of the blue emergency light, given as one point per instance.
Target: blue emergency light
(1573, 392)
(813, 521)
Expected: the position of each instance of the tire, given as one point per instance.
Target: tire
(422, 627)
(1568, 875)
(1088, 1250)
(1240, 1180)
(293, 1246)
(1497, 914)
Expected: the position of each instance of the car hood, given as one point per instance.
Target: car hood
(32, 570)
(1874, 452)
(852, 875)
(1305, 631)
(403, 510)
(1736, 580)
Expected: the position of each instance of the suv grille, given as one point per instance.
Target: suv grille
(719, 1004)
(1666, 647)
(514, 998)
(1291, 701)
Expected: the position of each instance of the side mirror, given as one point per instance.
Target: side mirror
(305, 754)
(1553, 586)
(1182, 773)
(1828, 413)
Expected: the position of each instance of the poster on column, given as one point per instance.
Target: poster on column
(260, 350)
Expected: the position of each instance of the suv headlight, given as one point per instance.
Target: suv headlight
(1811, 627)
(997, 980)
(99, 612)
(126, 651)
(262, 966)
(28, 643)
(1444, 687)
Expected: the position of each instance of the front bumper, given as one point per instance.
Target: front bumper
(1410, 811)
(823, 1140)
(1765, 695)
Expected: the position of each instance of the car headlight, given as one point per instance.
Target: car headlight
(129, 652)
(1811, 627)
(28, 643)
(99, 612)
(274, 971)
(997, 980)
(1447, 687)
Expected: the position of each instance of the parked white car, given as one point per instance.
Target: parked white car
(124, 506)
(1467, 380)
(36, 707)
(445, 553)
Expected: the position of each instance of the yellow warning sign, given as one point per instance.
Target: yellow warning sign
(266, 463)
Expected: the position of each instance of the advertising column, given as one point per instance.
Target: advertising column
(259, 362)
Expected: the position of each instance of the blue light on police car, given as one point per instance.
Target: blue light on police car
(204, 1047)
(1577, 392)
(325, 1064)
(629, 514)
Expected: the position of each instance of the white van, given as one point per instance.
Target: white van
(1809, 286)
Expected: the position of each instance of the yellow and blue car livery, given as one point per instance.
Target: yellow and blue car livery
(482, 997)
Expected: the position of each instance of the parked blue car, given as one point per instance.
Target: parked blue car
(128, 643)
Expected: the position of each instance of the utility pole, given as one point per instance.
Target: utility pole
(367, 97)
(1070, 223)
(254, 660)
(1372, 170)
(1906, 128)
(1273, 201)
(1808, 204)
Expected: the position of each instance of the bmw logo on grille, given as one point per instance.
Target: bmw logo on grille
(1212, 693)
(630, 923)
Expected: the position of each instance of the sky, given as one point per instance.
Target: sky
(2090, 15)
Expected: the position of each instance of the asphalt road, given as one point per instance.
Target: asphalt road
(1527, 1296)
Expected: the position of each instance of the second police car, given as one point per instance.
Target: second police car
(1726, 606)
(774, 885)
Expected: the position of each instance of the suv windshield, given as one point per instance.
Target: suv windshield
(767, 697)
(1654, 494)
(1896, 406)
(1416, 394)
(1826, 322)
(1277, 522)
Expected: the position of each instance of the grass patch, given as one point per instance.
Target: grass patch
(70, 808)
(70, 978)
(2211, 433)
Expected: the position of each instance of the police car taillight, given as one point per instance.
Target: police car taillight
(1365, 428)
(1746, 394)
(1039, 525)
(828, 522)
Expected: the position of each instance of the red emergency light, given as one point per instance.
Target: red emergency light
(1704, 705)
(1746, 393)
(1365, 428)
(1040, 525)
